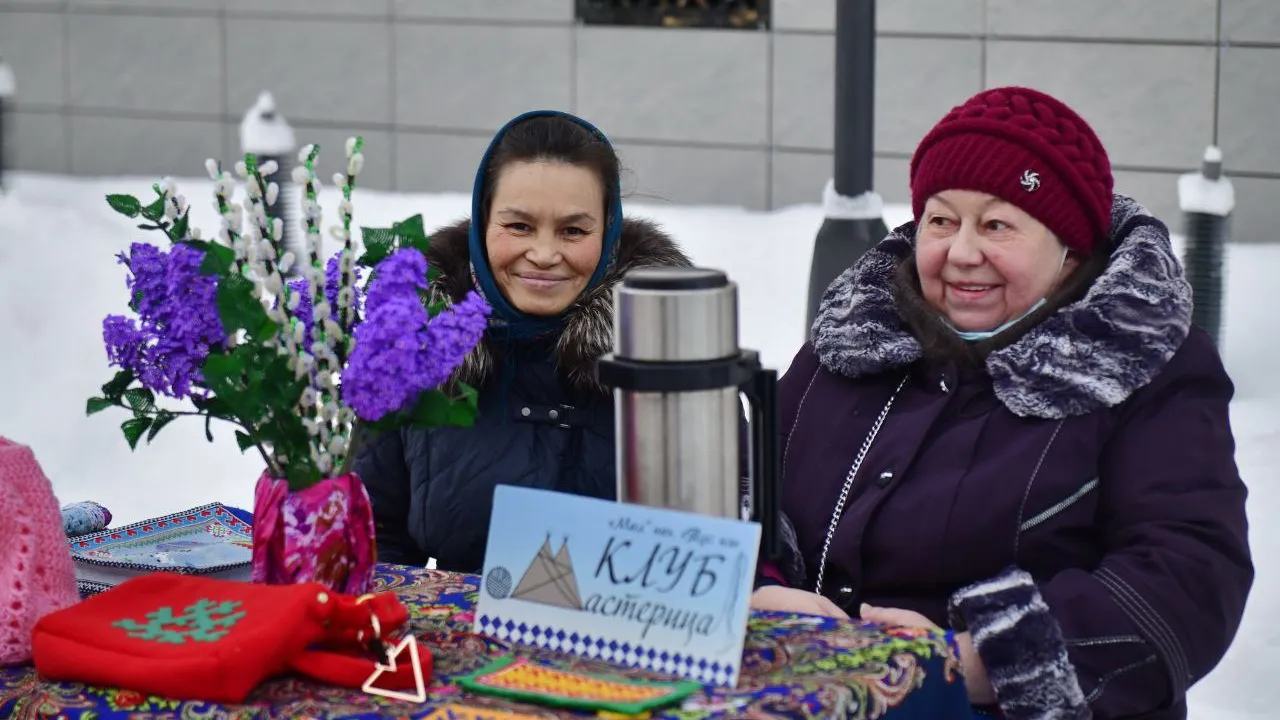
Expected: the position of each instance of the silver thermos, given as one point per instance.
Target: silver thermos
(676, 373)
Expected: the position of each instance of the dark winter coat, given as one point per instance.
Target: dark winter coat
(1067, 491)
(547, 424)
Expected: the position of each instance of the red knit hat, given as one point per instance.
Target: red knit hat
(1028, 149)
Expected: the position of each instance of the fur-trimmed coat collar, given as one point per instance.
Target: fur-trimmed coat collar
(588, 329)
(1081, 356)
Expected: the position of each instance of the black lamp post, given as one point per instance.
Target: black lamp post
(1207, 199)
(854, 214)
(7, 89)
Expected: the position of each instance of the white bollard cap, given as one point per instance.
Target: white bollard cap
(1206, 191)
(264, 130)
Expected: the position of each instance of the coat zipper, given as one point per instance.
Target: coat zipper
(848, 484)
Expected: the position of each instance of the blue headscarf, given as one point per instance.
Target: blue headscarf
(518, 325)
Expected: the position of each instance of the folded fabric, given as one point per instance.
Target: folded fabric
(84, 517)
(197, 638)
(37, 575)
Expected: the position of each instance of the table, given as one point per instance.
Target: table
(794, 666)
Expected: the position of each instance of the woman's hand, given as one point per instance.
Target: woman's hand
(975, 673)
(785, 599)
(895, 616)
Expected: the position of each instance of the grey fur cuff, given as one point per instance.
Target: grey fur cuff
(1021, 646)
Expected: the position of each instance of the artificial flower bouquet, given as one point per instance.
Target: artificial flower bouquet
(302, 356)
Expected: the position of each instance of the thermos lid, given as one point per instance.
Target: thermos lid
(675, 314)
(675, 279)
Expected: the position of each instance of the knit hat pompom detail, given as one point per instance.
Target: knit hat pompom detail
(1028, 149)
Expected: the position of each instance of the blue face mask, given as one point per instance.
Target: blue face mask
(979, 335)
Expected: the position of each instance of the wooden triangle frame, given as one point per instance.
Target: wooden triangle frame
(420, 691)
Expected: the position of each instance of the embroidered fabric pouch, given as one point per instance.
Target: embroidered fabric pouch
(200, 638)
(529, 681)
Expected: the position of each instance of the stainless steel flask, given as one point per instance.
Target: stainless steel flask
(676, 372)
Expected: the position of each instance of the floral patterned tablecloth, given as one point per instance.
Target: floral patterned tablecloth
(795, 666)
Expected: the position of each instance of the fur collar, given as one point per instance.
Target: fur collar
(588, 328)
(1088, 354)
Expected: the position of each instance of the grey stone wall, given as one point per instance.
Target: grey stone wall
(700, 116)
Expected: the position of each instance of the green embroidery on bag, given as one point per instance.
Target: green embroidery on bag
(204, 621)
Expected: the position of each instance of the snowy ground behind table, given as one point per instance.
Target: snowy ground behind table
(58, 279)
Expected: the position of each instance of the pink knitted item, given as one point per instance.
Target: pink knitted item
(37, 575)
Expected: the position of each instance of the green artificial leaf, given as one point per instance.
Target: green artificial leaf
(181, 226)
(218, 259)
(244, 441)
(463, 411)
(133, 429)
(155, 210)
(239, 309)
(213, 406)
(97, 405)
(410, 230)
(221, 374)
(433, 409)
(378, 244)
(280, 389)
(162, 418)
(141, 400)
(218, 367)
(467, 394)
(126, 205)
(114, 389)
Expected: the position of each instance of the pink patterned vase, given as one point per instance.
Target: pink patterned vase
(321, 534)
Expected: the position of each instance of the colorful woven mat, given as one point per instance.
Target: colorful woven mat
(521, 679)
(794, 666)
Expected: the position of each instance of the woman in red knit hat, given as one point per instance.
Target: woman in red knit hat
(1004, 423)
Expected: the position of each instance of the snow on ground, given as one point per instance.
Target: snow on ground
(58, 279)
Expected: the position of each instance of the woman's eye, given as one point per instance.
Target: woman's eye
(940, 221)
(519, 227)
(574, 231)
(996, 225)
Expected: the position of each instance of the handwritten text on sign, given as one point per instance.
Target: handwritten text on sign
(637, 586)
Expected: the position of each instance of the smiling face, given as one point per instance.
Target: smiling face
(544, 233)
(984, 262)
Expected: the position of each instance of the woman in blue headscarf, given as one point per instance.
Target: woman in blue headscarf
(545, 245)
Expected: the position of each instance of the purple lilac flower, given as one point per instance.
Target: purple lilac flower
(124, 341)
(333, 280)
(177, 319)
(451, 335)
(400, 351)
(400, 275)
(304, 313)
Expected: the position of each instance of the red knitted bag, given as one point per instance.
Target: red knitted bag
(198, 638)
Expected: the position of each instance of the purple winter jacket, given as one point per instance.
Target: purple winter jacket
(1069, 495)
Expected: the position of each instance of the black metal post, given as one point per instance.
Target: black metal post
(7, 90)
(265, 133)
(1207, 199)
(853, 221)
